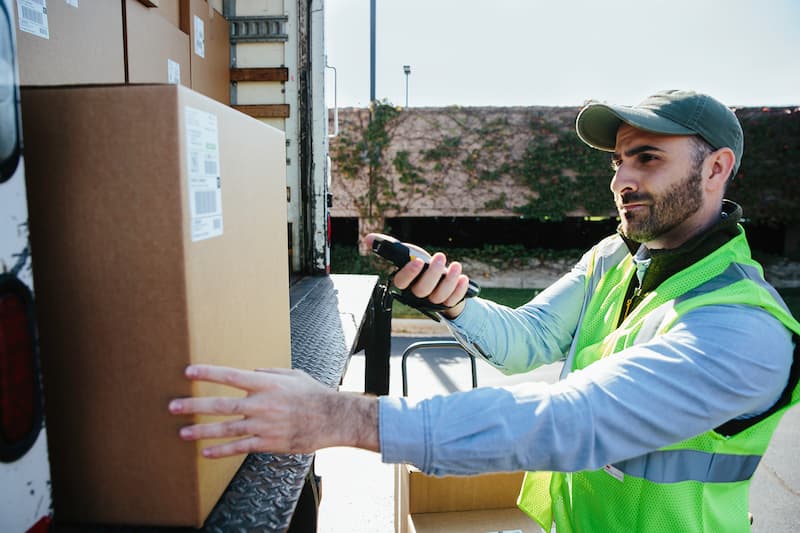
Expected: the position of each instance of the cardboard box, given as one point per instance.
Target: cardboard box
(157, 50)
(170, 10)
(209, 37)
(509, 520)
(458, 504)
(65, 44)
(151, 253)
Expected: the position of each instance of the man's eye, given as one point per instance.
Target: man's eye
(615, 164)
(646, 158)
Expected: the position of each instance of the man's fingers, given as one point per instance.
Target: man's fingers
(406, 275)
(216, 430)
(237, 447)
(428, 281)
(460, 291)
(441, 284)
(209, 405)
(241, 379)
(447, 285)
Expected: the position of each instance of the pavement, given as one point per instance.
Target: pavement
(358, 489)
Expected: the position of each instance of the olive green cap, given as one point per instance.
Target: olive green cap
(667, 113)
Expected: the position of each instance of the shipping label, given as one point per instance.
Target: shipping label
(173, 72)
(32, 16)
(205, 182)
(199, 37)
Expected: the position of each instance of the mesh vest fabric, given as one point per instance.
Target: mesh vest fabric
(596, 501)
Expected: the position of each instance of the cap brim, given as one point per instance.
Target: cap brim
(597, 124)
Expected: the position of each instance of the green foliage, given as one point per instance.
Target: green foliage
(363, 157)
(376, 136)
(448, 148)
(561, 175)
(766, 185)
(409, 174)
(564, 176)
(496, 203)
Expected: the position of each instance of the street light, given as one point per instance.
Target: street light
(372, 52)
(407, 70)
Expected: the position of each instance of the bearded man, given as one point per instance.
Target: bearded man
(679, 358)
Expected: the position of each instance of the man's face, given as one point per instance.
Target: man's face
(657, 187)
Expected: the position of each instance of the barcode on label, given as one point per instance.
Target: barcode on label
(211, 168)
(32, 15)
(205, 202)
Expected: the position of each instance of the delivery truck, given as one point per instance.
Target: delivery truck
(163, 200)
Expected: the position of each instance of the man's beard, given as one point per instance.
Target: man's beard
(667, 210)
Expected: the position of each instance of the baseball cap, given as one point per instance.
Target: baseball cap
(668, 113)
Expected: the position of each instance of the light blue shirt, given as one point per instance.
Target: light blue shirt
(715, 364)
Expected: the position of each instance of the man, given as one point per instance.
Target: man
(678, 355)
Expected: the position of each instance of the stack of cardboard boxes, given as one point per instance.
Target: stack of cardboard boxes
(126, 41)
(158, 229)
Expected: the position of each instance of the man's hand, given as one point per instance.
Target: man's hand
(448, 290)
(284, 411)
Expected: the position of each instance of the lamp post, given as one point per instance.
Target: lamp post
(372, 52)
(407, 70)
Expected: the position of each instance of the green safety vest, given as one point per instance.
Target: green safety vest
(700, 484)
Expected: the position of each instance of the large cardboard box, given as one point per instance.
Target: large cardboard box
(209, 35)
(66, 43)
(157, 50)
(158, 217)
(458, 504)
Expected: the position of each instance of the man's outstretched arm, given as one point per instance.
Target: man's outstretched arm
(283, 411)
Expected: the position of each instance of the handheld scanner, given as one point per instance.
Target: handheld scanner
(400, 254)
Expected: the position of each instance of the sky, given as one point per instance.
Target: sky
(564, 52)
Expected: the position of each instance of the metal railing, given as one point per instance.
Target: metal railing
(414, 347)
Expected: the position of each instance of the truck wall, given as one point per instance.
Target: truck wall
(24, 481)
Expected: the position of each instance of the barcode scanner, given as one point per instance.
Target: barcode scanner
(400, 254)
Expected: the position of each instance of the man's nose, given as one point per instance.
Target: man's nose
(624, 180)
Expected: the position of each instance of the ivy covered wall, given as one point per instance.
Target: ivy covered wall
(523, 161)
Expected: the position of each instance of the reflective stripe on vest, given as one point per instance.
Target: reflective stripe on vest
(674, 466)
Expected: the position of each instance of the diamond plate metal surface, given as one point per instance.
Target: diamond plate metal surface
(262, 496)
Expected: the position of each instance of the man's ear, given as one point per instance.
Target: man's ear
(718, 167)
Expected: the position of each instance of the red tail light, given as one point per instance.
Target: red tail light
(44, 525)
(20, 396)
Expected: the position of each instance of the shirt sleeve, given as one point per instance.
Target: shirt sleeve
(717, 363)
(537, 333)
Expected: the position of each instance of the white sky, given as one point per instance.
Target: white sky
(563, 52)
